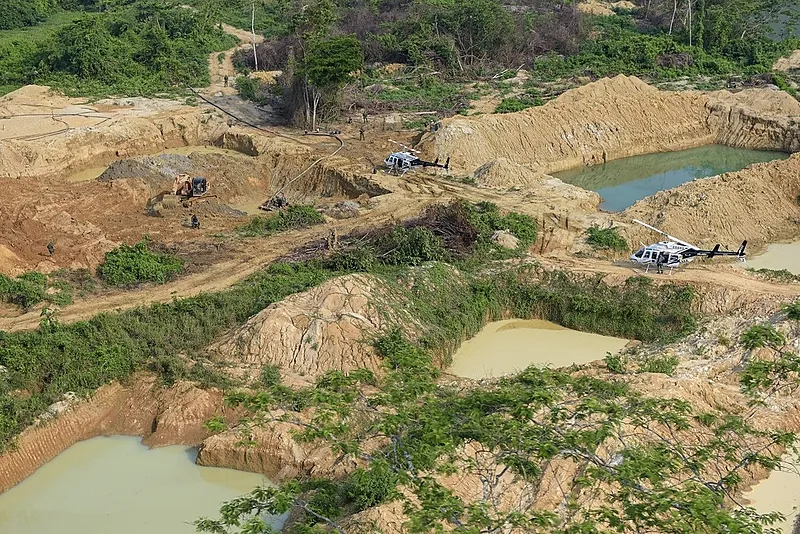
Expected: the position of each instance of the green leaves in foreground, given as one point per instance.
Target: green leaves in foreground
(633, 463)
(606, 238)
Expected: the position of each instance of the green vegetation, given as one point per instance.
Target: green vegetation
(21, 13)
(452, 45)
(287, 219)
(606, 238)
(80, 357)
(776, 369)
(521, 425)
(518, 103)
(126, 265)
(31, 288)
(129, 47)
(779, 276)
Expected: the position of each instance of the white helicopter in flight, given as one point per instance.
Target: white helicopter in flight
(675, 252)
(402, 162)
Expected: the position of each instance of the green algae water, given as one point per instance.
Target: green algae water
(117, 485)
(504, 347)
(622, 182)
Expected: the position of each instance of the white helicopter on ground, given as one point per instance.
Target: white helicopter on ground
(674, 252)
(402, 162)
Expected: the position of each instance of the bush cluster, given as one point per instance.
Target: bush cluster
(31, 288)
(606, 238)
(287, 219)
(131, 47)
(127, 265)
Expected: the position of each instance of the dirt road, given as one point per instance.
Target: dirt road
(413, 194)
(220, 64)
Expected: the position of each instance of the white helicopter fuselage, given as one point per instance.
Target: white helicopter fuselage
(400, 161)
(671, 254)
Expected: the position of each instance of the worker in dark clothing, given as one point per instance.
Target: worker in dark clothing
(660, 263)
(226, 80)
(361, 134)
(51, 247)
(195, 222)
(364, 115)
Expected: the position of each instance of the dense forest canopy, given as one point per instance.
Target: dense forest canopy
(146, 46)
(123, 47)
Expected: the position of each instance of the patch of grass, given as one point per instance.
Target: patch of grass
(31, 288)
(518, 103)
(781, 275)
(128, 265)
(287, 219)
(606, 238)
(429, 93)
(665, 364)
(80, 357)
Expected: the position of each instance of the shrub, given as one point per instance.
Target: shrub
(518, 103)
(409, 246)
(606, 238)
(792, 310)
(270, 375)
(31, 288)
(659, 364)
(762, 335)
(128, 265)
(616, 363)
(292, 217)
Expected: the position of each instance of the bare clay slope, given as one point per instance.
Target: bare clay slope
(758, 203)
(619, 117)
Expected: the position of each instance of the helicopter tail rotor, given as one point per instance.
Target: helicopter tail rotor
(740, 253)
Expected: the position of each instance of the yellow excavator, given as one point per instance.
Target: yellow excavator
(189, 188)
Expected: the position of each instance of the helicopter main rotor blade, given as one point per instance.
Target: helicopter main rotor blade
(671, 238)
(404, 146)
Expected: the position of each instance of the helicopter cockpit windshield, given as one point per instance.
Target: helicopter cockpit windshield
(639, 253)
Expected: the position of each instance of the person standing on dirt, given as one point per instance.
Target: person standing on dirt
(226, 80)
(361, 134)
(364, 115)
(660, 263)
(51, 247)
(195, 222)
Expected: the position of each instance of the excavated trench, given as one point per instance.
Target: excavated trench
(509, 346)
(622, 182)
(160, 491)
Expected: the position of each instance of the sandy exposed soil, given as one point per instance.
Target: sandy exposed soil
(788, 63)
(44, 138)
(219, 69)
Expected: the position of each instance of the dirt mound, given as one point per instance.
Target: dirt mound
(788, 63)
(275, 454)
(93, 135)
(614, 118)
(330, 327)
(504, 174)
(597, 7)
(758, 203)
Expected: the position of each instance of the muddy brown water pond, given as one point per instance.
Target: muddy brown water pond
(115, 484)
(780, 492)
(623, 181)
(777, 257)
(508, 346)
